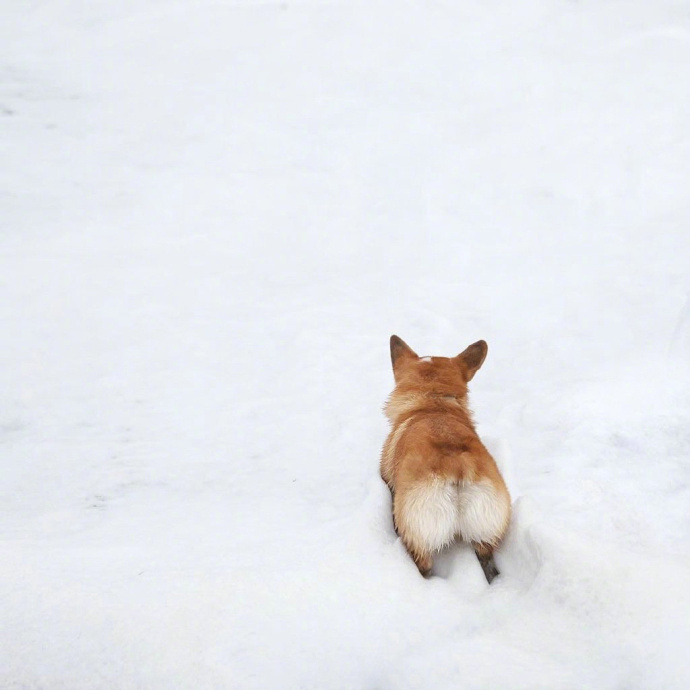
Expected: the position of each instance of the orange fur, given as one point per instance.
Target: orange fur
(444, 482)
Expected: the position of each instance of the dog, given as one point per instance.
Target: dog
(443, 481)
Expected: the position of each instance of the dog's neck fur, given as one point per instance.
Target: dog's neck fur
(402, 405)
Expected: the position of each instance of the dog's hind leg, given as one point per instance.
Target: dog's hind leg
(483, 519)
(425, 515)
(485, 555)
(422, 559)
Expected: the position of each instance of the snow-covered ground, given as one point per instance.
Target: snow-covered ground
(213, 216)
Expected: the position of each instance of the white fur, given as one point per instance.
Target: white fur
(387, 459)
(425, 359)
(401, 404)
(431, 514)
(427, 514)
(483, 512)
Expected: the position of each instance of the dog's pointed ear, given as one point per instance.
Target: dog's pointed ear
(400, 349)
(472, 358)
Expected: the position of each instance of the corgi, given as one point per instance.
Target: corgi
(443, 481)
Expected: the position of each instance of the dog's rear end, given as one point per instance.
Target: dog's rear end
(444, 482)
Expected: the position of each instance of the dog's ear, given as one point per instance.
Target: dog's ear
(472, 358)
(400, 350)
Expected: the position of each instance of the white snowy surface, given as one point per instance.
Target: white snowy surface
(213, 216)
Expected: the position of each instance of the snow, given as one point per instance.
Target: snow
(214, 215)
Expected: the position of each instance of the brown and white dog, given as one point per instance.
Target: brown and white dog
(444, 482)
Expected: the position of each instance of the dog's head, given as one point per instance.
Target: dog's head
(439, 375)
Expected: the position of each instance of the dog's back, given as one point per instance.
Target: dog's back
(444, 482)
